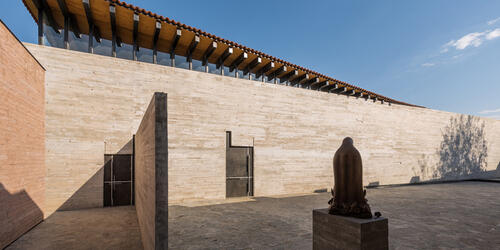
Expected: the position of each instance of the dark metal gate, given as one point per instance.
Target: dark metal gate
(239, 169)
(118, 180)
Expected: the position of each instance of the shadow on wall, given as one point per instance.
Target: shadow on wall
(498, 170)
(18, 214)
(90, 194)
(22, 213)
(462, 153)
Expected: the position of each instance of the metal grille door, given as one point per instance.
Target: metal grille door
(118, 180)
(239, 171)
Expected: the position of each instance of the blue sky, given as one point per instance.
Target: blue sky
(439, 54)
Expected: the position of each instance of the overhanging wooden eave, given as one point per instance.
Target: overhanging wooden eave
(146, 31)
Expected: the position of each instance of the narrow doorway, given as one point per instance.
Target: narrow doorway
(239, 169)
(118, 180)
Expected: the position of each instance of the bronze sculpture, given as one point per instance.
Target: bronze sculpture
(348, 194)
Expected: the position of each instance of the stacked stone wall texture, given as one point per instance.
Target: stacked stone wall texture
(151, 179)
(94, 105)
(22, 140)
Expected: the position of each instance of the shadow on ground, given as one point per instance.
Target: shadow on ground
(80, 222)
(99, 228)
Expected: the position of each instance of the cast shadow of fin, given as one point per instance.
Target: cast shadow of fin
(19, 216)
(90, 194)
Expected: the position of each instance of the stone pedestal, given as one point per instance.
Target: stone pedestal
(340, 232)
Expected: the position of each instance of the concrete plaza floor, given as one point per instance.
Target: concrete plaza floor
(98, 228)
(462, 215)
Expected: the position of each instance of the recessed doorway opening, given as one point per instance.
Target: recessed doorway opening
(118, 180)
(239, 169)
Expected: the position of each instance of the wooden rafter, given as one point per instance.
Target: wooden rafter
(237, 62)
(72, 20)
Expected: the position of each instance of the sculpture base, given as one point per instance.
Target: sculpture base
(360, 211)
(341, 232)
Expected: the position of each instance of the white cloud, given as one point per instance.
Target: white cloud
(446, 46)
(493, 34)
(490, 111)
(471, 39)
(474, 39)
(491, 22)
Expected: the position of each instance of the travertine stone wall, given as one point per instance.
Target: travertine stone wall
(22, 144)
(95, 103)
(151, 174)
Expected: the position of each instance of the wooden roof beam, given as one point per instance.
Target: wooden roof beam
(251, 66)
(97, 34)
(208, 52)
(322, 85)
(289, 75)
(376, 98)
(312, 82)
(42, 4)
(300, 79)
(264, 69)
(220, 61)
(305, 79)
(359, 94)
(175, 42)
(37, 4)
(237, 62)
(118, 41)
(329, 87)
(157, 33)
(192, 47)
(339, 90)
(155, 41)
(63, 7)
(112, 17)
(72, 20)
(274, 74)
(135, 33)
(93, 29)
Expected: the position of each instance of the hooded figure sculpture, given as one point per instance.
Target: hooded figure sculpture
(348, 194)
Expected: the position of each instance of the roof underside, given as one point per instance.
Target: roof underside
(100, 12)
